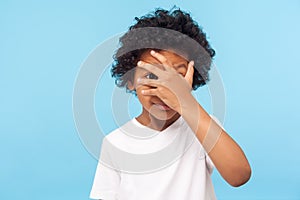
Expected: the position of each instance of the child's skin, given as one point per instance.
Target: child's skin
(177, 100)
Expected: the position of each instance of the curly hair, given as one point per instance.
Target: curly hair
(125, 61)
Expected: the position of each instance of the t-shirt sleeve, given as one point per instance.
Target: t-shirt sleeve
(107, 179)
(106, 183)
(209, 164)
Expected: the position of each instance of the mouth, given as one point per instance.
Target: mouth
(162, 106)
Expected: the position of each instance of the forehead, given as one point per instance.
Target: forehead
(173, 58)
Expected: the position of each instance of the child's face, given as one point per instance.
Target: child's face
(149, 103)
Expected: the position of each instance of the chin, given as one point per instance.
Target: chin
(163, 115)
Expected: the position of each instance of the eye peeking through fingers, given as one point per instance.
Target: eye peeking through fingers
(151, 76)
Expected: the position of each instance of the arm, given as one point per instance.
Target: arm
(226, 154)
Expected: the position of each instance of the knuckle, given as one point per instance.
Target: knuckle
(163, 59)
(152, 67)
(160, 89)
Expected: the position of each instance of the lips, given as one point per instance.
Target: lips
(162, 106)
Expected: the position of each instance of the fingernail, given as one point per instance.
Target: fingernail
(140, 63)
(192, 62)
(152, 52)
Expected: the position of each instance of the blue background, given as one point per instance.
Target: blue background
(42, 45)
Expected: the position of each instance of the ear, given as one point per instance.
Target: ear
(130, 86)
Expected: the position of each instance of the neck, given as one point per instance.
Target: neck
(152, 122)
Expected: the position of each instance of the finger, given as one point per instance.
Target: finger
(190, 73)
(152, 92)
(166, 64)
(151, 68)
(149, 92)
(144, 81)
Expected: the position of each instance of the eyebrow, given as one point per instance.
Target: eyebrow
(180, 65)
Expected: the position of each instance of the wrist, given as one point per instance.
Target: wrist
(188, 106)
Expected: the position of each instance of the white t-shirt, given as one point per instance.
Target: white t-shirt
(187, 177)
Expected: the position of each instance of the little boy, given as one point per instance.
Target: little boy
(169, 150)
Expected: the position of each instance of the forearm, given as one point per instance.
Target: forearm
(225, 153)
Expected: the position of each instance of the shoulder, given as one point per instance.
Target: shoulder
(119, 136)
